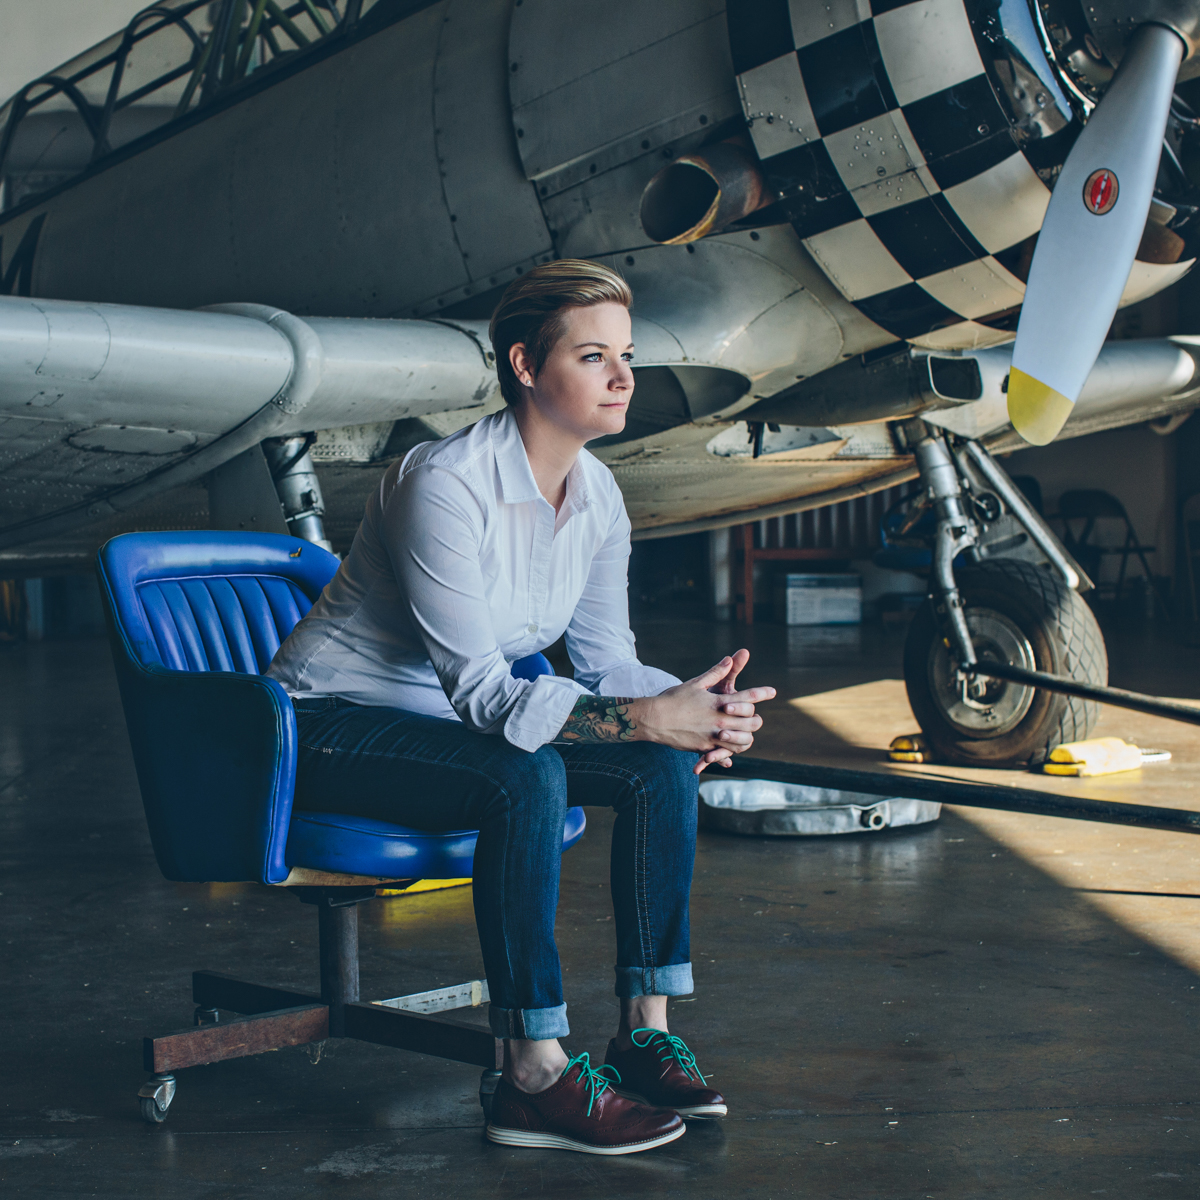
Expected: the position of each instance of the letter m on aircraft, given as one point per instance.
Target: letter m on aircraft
(16, 278)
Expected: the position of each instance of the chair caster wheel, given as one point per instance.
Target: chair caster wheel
(154, 1098)
(487, 1090)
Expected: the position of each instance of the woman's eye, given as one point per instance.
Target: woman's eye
(627, 357)
(595, 356)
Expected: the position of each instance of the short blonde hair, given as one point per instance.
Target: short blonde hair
(533, 310)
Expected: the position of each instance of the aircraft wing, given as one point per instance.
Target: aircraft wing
(106, 408)
(103, 406)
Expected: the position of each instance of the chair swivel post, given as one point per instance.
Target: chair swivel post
(338, 930)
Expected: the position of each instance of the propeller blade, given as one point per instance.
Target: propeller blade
(1090, 236)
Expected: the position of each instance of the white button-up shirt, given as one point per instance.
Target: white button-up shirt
(459, 567)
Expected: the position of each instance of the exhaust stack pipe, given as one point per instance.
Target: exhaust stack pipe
(702, 193)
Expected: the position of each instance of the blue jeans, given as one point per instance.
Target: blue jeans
(436, 775)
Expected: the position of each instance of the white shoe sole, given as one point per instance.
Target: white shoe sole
(553, 1141)
(697, 1110)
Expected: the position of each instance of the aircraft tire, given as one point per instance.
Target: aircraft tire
(1027, 615)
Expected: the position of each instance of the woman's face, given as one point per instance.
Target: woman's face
(586, 383)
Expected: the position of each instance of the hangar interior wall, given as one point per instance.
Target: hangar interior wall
(1150, 474)
(1135, 464)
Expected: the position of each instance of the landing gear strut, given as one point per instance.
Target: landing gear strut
(295, 480)
(1024, 611)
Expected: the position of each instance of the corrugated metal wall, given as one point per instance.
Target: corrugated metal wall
(851, 526)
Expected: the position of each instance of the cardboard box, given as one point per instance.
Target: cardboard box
(818, 599)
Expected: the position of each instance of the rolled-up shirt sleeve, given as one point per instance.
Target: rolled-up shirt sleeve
(434, 529)
(599, 639)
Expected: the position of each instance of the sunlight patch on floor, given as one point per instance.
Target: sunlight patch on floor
(865, 714)
(1102, 863)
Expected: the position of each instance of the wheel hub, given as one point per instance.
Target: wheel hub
(1001, 706)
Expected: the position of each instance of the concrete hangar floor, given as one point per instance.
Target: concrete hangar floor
(992, 1005)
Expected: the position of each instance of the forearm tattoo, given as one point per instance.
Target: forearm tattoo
(599, 719)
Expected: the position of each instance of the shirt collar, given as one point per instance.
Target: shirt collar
(577, 498)
(517, 484)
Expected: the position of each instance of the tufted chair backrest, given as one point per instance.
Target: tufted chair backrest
(221, 623)
(212, 601)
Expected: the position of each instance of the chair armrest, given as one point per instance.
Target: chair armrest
(216, 762)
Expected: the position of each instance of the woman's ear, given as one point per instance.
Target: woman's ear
(519, 361)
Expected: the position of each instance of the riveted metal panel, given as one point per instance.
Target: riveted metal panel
(555, 42)
(493, 209)
(320, 194)
(582, 79)
(372, 234)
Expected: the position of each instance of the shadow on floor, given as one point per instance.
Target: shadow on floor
(920, 1014)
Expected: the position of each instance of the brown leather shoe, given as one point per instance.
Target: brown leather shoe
(580, 1112)
(661, 1070)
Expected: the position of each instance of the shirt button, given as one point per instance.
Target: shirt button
(533, 629)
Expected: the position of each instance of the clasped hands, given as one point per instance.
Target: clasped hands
(706, 714)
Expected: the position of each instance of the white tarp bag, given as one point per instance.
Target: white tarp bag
(762, 806)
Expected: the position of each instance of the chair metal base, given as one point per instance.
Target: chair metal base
(271, 1018)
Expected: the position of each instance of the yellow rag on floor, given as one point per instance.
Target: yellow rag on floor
(909, 749)
(1097, 756)
(423, 885)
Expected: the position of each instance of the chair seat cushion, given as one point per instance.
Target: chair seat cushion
(361, 846)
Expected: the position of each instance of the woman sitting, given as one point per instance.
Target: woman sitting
(475, 551)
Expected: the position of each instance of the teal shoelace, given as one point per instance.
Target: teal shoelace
(669, 1047)
(596, 1081)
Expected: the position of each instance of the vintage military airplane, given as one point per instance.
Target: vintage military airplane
(829, 211)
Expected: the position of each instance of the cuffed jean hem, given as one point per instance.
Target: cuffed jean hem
(675, 980)
(536, 1023)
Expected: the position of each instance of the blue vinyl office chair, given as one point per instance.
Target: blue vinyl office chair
(194, 619)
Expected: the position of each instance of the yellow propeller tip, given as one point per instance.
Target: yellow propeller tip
(1036, 410)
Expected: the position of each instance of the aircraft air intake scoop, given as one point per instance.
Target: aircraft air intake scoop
(888, 386)
(701, 193)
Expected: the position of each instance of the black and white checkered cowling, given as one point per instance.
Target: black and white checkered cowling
(898, 155)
